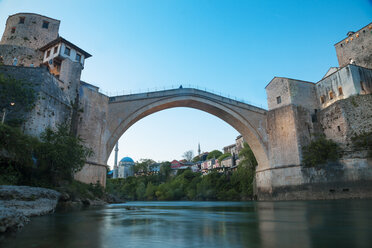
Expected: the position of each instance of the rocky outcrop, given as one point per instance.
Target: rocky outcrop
(20, 202)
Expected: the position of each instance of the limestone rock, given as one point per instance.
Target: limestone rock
(19, 202)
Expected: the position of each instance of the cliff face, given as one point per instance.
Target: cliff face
(20, 202)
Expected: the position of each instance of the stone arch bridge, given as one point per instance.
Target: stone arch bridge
(104, 120)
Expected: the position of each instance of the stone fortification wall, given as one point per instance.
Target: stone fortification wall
(345, 119)
(22, 56)
(346, 179)
(283, 147)
(92, 173)
(31, 33)
(291, 127)
(94, 109)
(52, 106)
(70, 75)
(358, 47)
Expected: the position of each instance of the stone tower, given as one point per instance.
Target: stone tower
(356, 48)
(32, 40)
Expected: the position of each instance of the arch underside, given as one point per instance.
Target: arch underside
(237, 119)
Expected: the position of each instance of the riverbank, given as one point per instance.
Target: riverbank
(19, 203)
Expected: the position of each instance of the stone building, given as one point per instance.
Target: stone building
(356, 48)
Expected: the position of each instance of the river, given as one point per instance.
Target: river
(204, 224)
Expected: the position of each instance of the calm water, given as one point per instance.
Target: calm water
(204, 224)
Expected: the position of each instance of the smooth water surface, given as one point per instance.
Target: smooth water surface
(204, 224)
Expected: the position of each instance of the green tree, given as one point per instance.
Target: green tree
(196, 159)
(61, 154)
(223, 156)
(165, 171)
(143, 165)
(214, 154)
(140, 191)
(320, 151)
(150, 192)
(363, 141)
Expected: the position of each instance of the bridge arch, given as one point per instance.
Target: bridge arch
(248, 120)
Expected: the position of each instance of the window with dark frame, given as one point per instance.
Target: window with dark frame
(278, 99)
(22, 20)
(331, 95)
(67, 51)
(78, 57)
(13, 30)
(339, 128)
(48, 54)
(55, 49)
(322, 99)
(45, 24)
(340, 92)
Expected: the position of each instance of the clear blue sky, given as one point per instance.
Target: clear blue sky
(234, 47)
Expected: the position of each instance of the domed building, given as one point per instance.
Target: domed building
(126, 167)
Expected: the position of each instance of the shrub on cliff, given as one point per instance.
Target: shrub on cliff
(320, 151)
(61, 154)
(363, 141)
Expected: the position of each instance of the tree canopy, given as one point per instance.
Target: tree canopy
(214, 154)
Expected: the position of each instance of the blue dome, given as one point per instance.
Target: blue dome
(127, 159)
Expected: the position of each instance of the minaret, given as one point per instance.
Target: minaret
(116, 160)
(199, 149)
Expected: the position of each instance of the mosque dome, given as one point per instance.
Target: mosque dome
(126, 160)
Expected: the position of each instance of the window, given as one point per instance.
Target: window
(322, 99)
(278, 100)
(331, 95)
(13, 30)
(361, 85)
(78, 57)
(340, 92)
(67, 51)
(22, 20)
(45, 24)
(339, 128)
(55, 49)
(48, 54)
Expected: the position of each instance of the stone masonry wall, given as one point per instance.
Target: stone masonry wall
(25, 56)
(357, 47)
(52, 106)
(345, 119)
(29, 34)
(283, 147)
(94, 109)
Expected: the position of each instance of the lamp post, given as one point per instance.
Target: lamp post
(4, 112)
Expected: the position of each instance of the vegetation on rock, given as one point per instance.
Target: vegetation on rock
(363, 141)
(320, 151)
(26, 160)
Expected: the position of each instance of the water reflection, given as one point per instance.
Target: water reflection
(204, 224)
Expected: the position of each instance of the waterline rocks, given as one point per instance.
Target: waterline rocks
(20, 202)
